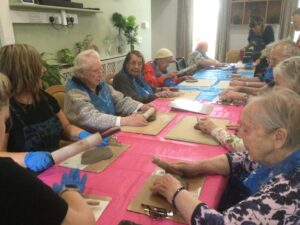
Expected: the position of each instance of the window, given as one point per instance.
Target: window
(205, 24)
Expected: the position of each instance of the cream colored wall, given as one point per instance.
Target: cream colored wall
(47, 39)
(164, 23)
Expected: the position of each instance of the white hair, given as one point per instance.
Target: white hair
(278, 109)
(81, 61)
(289, 71)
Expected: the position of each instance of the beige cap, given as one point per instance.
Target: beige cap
(163, 53)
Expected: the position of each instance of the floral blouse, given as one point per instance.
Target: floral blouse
(277, 202)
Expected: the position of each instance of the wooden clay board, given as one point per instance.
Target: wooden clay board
(75, 161)
(103, 202)
(223, 84)
(184, 131)
(199, 83)
(145, 196)
(185, 94)
(154, 127)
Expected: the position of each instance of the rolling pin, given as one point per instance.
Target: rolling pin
(149, 113)
(75, 148)
(166, 166)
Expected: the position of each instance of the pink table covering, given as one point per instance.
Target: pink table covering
(125, 176)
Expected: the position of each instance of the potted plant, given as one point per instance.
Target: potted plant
(128, 26)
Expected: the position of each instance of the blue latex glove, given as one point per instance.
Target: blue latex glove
(73, 178)
(38, 161)
(84, 134)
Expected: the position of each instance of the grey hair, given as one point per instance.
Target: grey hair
(278, 109)
(81, 62)
(289, 71)
(5, 89)
(287, 47)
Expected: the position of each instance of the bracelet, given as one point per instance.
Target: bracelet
(175, 194)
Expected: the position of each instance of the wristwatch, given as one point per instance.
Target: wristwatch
(69, 187)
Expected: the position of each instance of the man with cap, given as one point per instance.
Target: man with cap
(157, 72)
(199, 57)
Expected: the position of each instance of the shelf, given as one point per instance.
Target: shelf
(49, 7)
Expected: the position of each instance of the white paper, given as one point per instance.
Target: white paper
(192, 106)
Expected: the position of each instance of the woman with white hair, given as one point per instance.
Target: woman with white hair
(286, 75)
(95, 105)
(264, 183)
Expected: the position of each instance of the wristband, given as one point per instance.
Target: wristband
(175, 194)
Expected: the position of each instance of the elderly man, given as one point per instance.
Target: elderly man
(95, 105)
(199, 56)
(280, 51)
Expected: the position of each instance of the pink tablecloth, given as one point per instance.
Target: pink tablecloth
(124, 177)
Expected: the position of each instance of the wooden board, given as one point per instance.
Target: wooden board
(145, 196)
(199, 83)
(75, 161)
(99, 208)
(185, 131)
(223, 84)
(154, 127)
(185, 94)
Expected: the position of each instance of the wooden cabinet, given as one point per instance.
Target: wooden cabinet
(241, 10)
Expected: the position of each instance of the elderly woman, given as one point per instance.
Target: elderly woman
(38, 123)
(286, 75)
(130, 82)
(199, 56)
(266, 178)
(280, 51)
(27, 200)
(95, 105)
(157, 73)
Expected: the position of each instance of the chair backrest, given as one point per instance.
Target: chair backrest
(58, 92)
(180, 63)
(232, 56)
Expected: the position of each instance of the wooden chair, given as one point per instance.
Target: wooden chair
(232, 56)
(58, 92)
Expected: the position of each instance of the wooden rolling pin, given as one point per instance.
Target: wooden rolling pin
(149, 112)
(166, 166)
(75, 148)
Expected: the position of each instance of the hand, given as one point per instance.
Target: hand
(73, 178)
(232, 96)
(189, 78)
(166, 94)
(84, 134)
(38, 161)
(166, 186)
(145, 107)
(171, 74)
(134, 120)
(206, 125)
(237, 83)
(189, 169)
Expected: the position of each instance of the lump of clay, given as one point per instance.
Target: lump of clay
(96, 155)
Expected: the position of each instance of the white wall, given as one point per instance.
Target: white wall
(239, 34)
(164, 23)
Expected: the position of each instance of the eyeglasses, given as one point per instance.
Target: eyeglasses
(100, 70)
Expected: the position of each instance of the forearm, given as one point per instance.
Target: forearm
(249, 90)
(78, 212)
(216, 165)
(186, 204)
(71, 132)
(18, 157)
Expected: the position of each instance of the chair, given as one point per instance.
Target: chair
(58, 92)
(180, 63)
(232, 56)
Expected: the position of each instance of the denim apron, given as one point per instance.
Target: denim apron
(43, 136)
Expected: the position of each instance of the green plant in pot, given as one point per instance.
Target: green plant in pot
(128, 26)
